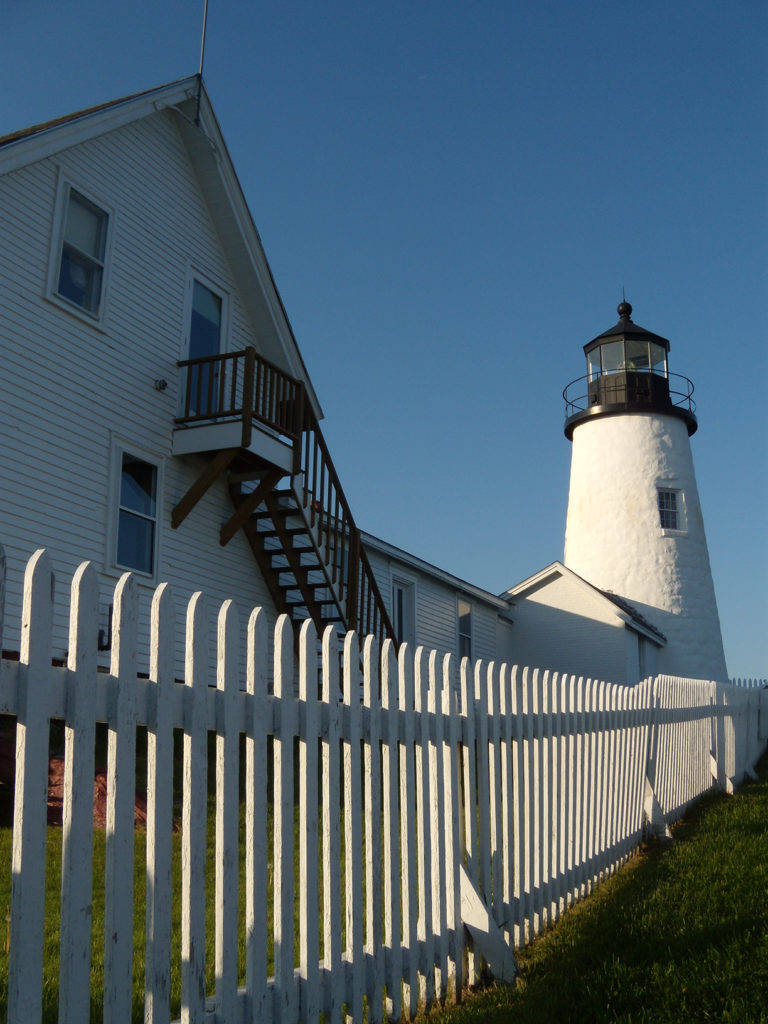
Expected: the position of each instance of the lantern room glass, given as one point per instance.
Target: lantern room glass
(658, 359)
(612, 355)
(637, 356)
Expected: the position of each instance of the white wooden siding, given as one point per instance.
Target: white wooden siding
(560, 625)
(69, 388)
(436, 610)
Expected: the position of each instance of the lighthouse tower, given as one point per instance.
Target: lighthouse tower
(634, 525)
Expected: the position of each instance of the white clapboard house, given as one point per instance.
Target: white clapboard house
(155, 411)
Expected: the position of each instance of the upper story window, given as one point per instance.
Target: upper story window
(670, 509)
(465, 628)
(79, 266)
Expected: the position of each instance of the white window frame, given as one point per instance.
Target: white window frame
(462, 599)
(408, 586)
(65, 186)
(120, 448)
(669, 487)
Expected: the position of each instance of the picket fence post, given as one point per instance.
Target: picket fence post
(353, 825)
(159, 811)
(30, 798)
(256, 853)
(286, 1007)
(423, 829)
(332, 960)
(469, 777)
(408, 853)
(227, 810)
(437, 782)
(77, 809)
(194, 814)
(309, 945)
(373, 833)
(390, 822)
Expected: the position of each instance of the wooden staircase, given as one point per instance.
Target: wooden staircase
(297, 521)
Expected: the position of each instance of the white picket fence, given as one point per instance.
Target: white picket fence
(451, 812)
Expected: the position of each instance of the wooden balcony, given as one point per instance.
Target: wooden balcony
(255, 424)
(239, 400)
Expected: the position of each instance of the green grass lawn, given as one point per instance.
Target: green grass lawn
(678, 935)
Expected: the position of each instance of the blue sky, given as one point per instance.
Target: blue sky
(452, 196)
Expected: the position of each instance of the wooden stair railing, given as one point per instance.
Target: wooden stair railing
(303, 536)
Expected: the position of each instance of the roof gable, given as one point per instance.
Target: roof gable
(219, 185)
(615, 605)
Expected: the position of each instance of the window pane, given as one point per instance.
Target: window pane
(85, 226)
(397, 594)
(465, 617)
(637, 356)
(465, 629)
(138, 485)
(659, 359)
(79, 280)
(593, 364)
(613, 356)
(205, 329)
(135, 542)
(403, 611)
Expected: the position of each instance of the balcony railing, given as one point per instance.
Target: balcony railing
(241, 385)
(628, 387)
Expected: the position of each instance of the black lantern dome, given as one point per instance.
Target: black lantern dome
(628, 371)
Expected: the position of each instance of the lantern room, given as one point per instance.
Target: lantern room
(628, 371)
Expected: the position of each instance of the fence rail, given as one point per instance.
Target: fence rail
(532, 786)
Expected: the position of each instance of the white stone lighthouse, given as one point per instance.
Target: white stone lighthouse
(634, 526)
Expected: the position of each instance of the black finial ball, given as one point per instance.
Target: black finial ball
(624, 309)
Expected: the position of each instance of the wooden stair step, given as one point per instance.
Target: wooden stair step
(290, 530)
(296, 603)
(304, 583)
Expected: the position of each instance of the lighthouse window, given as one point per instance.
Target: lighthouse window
(669, 510)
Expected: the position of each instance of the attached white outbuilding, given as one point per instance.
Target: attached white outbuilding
(565, 624)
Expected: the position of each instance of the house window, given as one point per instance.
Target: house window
(404, 610)
(80, 269)
(669, 509)
(465, 628)
(136, 546)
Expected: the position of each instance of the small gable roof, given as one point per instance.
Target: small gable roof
(219, 183)
(618, 605)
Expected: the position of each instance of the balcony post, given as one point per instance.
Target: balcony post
(248, 375)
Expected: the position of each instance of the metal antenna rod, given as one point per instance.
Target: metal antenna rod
(202, 56)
